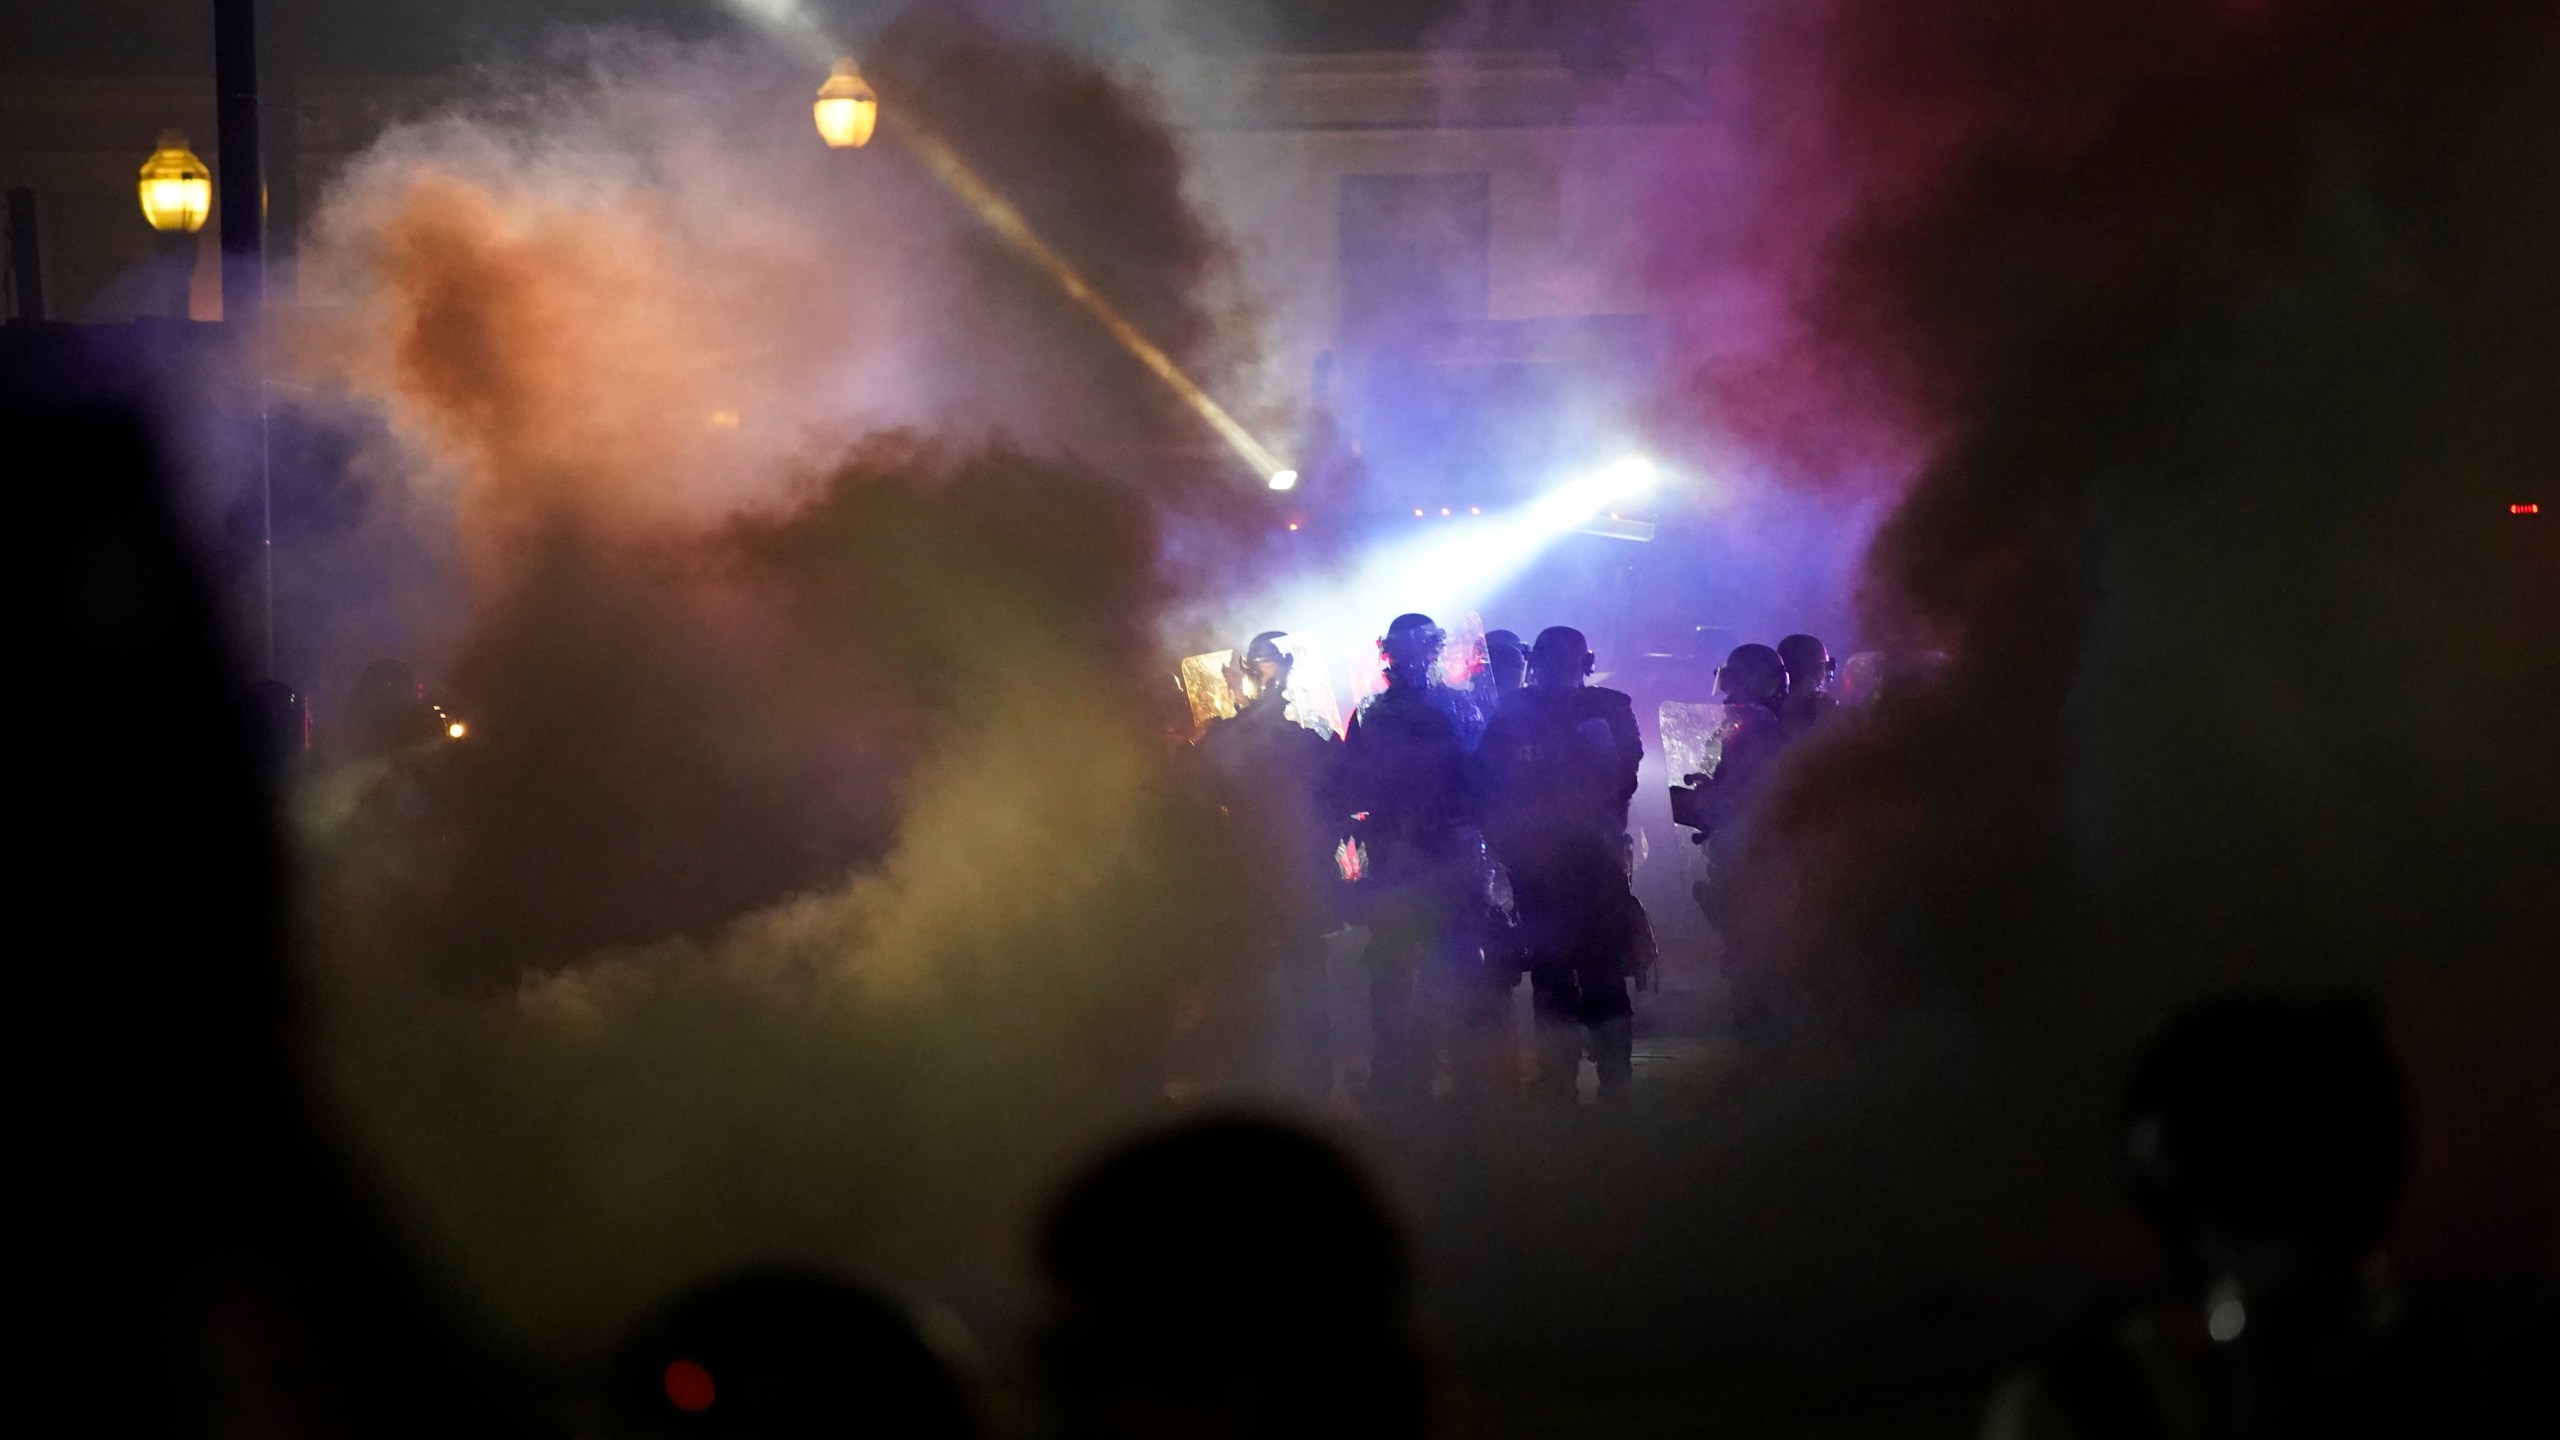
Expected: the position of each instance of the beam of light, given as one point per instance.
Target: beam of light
(1001, 217)
(790, 24)
(1446, 570)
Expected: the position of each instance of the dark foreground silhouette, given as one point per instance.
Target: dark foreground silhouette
(205, 1261)
(785, 1353)
(1231, 1278)
(2266, 1141)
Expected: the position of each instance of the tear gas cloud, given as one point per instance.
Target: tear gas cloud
(2200, 345)
(813, 882)
(814, 823)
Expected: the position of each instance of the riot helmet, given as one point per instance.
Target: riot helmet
(1808, 663)
(1411, 647)
(1263, 666)
(1561, 659)
(1751, 675)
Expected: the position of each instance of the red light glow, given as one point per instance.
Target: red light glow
(2525, 509)
(689, 1387)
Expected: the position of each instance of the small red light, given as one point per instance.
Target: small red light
(2527, 509)
(689, 1387)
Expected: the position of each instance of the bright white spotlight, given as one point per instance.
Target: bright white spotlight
(1284, 479)
(1445, 571)
(1631, 475)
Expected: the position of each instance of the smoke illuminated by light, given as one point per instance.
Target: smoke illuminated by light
(1006, 221)
(1447, 570)
(790, 24)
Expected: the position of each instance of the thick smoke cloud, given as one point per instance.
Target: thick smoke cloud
(812, 879)
(2210, 343)
(809, 885)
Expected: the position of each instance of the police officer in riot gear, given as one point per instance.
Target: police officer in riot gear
(1270, 775)
(1806, 704)
(1751, 683)
(1556, 771)
(1404, 787)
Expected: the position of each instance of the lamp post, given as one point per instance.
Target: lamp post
(846, 109)
(244, 271)
(244, 191)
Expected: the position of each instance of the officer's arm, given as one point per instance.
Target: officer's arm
(1342, 769)
(1630, 740)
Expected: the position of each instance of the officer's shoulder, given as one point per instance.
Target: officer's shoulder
(1613, 701)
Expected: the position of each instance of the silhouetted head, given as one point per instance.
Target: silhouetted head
(1561, 659)
(2264, 1132)
(781, 1353)
(1232, 1277)
(1265, 668)
(1752, 674)
(1807, 662)
(1411, 647)
(1507, 659)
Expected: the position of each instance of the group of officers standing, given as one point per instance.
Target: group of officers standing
(1485, 837)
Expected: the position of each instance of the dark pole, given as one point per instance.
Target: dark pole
(235, 99)
(244, 227)
(26, 256)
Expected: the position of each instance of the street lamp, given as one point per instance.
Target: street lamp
(177, 191)
(846, 108)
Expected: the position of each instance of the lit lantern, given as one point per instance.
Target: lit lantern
(846, 108)
(177, 191)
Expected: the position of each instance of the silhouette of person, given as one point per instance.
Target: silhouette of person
(1403, 783)
(1230, 1279)
(2266, 1141)
(783, 1353)
(208, 1261)
(1269, 776)
(1556, 771)
(1806, 703)
(1750, 683)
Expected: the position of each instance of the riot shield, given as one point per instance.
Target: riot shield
(1206, 685)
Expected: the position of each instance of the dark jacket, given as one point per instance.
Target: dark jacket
(1272, 780)
(1558, 760)
(1404, 768)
